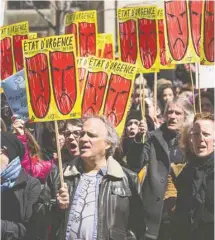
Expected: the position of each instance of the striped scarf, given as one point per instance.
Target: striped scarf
(10, 174)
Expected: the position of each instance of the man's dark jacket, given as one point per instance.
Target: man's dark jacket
(119, 204)
(155, 153)
(17, 207)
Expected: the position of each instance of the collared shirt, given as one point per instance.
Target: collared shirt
(82, 223)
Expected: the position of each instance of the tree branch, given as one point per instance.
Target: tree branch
(31, 4)
(53, 4)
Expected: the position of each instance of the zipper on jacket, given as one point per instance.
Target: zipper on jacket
(100, 210)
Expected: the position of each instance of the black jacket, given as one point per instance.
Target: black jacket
(119, 204)
(194, 215)
(17, 206)
(156, 154)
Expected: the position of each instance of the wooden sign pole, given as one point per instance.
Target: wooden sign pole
(194, 103)
(59, 154)
(155, 94)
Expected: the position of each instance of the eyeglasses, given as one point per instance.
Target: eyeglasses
(75, 133)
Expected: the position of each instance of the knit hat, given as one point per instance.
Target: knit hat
(13, 144)
(134, 114)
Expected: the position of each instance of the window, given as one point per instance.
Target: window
(16, 5)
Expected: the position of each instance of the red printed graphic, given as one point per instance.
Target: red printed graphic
(108, 51)
(63, 80)
(128, 41)
(72, 29)
(147, 41)
(162, 45)
(87, 39)
(117, 98)
(94, 93)
(6, 58)
(177, 28)
(17, 49)
(81, 75)
(195, 8)
(38, 81)
(209, 30)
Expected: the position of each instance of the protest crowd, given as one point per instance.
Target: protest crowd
(98, 148)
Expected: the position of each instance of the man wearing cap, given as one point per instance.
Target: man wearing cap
(135, 130)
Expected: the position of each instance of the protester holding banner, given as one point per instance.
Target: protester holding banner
(31, 162)
(112, 210)
(135, 129)
(19, 191)
(194, 215)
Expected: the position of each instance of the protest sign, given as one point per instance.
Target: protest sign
(52, 83)
(32, 35)
(138, 37)
(207, 31)
(105, 45)
(15, 92)
(162, 47)
(195, 17)
(83, 25)
(127, 35)
(179, 46)
(11, 56)
(82, 63)
(148, 39)
(117, 97)
(95, 85)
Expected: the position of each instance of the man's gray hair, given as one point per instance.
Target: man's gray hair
(112, 137)
(185, 105)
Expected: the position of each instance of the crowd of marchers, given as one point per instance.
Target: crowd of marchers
(155, 182)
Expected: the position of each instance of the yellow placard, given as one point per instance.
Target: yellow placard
(105, 45)
(32, 35)
(52, 78)
(162, 47)
(207, 33)
(118, 94)
(83, 25)
(179, 45)
(11, 57)
(138, 37)
(82, 63)
(95, 86)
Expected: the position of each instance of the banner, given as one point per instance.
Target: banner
(138, 37)
(52, 83)
(117, 98)
(32, 35)
(105, 45)
(207, 46)
(84, 26)
(11, 56)
(195, 16)
(15, 92)
(179, 46)
(82, 63)
(162, 47)
(95, 85)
